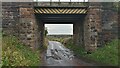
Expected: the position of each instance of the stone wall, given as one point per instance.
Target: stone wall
(0, 16)
(109, 25)
(119, 24)
(10, 12)
(40, 32)
(100, 26)
(78, 33)
(27, 25)
(92, 27)
(19, 20)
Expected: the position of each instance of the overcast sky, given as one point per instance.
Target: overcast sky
(59, 28)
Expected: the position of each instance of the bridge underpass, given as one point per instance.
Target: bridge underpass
(62, 15)
(19, 20)
(29, 25)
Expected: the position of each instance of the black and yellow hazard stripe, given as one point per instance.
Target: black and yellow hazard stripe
(60, 11)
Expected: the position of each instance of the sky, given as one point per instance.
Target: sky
(54, 29)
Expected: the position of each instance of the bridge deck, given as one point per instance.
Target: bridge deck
(62, 4)
(48, 13)
(60, 10)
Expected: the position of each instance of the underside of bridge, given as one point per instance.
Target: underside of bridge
(62, 15)
(76, 20)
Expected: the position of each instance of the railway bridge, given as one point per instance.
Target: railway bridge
(26, 21)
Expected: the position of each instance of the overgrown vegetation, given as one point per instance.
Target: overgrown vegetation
(16, 54)
(56, 39)
(105, 55)
(0, 48)
(79, 50)
(45, 44)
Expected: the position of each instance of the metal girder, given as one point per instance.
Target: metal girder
(60, 17)
(60, 10)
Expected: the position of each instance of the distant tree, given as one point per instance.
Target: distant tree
(46, 31)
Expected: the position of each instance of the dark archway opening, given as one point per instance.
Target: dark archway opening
(75, 19)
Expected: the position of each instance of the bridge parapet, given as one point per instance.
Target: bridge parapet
(60, 7)
(61, 4)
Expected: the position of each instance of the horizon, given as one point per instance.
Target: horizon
(59, 29)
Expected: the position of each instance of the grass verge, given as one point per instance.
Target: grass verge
(16, 54)
(106, 55)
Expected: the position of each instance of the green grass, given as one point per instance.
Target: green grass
(16, 54)
(56, 39)
(78, 50)
(0, 48)
(106, 55)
